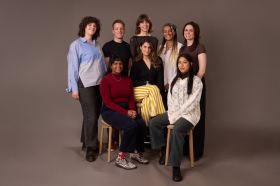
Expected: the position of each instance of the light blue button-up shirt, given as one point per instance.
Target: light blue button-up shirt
(85, 60)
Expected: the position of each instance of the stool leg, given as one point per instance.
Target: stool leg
(167, 146)
(191, 148)
(109, 144)
(120, 137)
(101, 139)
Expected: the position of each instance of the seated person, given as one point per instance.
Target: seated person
(118, 110)
(147, 78)
(183, 112)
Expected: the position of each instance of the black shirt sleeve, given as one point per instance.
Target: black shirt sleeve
(105, 50)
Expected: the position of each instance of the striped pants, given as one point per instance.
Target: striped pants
(151, 101)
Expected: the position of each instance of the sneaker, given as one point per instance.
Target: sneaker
(123, 163)
(139, 157)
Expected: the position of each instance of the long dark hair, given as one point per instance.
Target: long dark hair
(174, 47)
(84, 22)
(155, 61)
(189, 74)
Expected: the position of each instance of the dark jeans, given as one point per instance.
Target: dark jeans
(181, 127)
(133, 130)
(91, 102)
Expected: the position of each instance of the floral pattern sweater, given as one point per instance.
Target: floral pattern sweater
(180, 104)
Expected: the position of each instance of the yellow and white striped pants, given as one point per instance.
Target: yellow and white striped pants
(150, 99)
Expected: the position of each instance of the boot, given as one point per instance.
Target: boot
(177, 174)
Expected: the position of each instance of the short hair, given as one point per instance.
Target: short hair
(84, 22)
(115, 58)
(140, 19)
(118, 21)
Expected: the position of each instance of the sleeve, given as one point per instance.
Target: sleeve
(106, 97)
(101, 59)
(156, 44)
(73, 68)
(173, 114)
(135, 69)
(105, 50)
(131, 100)
(133, 48)
(201, 49)
(194, 97)
(160, 77)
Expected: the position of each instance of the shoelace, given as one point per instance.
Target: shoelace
(121, 155)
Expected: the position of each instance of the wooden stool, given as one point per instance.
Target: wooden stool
(190, 134)
(105, 125)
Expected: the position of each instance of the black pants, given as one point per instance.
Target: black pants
(133, 130)
(91, 102)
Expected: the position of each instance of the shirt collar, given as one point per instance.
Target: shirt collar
(84, 40)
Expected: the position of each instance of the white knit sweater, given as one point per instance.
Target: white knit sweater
(180, 104)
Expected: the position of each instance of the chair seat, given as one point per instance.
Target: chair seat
(170, 126)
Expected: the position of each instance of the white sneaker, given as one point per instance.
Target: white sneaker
(139, 157)
(123, 163)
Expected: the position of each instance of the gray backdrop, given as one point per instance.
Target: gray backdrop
(241, 39)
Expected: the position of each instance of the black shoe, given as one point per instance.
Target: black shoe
(161, 160)
(90, 154)
(177, 174)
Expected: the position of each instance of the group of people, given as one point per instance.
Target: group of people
(166, 82)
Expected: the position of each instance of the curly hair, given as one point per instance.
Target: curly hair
(84, 22)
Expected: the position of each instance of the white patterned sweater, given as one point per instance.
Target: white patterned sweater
(180, 104)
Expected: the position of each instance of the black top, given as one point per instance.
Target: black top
(140, 74)
(135, 42)
(121, 50)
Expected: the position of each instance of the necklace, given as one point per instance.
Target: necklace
(116, 78)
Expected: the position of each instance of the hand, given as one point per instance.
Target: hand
(166, 87)
(75, 95)
(131, 113)
(134, 114)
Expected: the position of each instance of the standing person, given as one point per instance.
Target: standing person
(86, 67)
(118, 47)
(119, 111)
(183, 112)
(142, 32)
(193, 47)
(168, 51)
(147, 78)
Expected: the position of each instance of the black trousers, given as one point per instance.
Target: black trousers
(91, 101)
(133, 130)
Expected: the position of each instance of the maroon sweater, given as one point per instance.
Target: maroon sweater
(116, 89)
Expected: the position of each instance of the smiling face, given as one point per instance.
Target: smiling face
(168, 34)
(117, 67)
(144, 26)
(146, 49)
(90, 29)
(189, 32)
(118, 31)
(183, 65)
